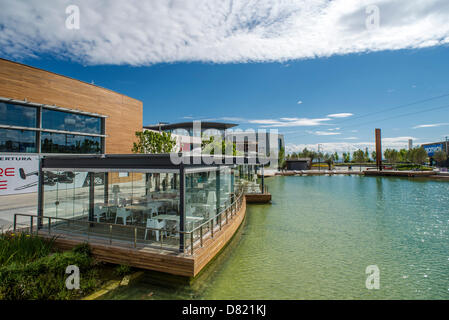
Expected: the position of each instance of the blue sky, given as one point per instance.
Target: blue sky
(254, 64)
(360, 84)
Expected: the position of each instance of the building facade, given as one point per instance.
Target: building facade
(43, 113)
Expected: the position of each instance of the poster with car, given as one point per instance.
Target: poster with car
(18, 174)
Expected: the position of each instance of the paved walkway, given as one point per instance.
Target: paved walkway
(20, 203)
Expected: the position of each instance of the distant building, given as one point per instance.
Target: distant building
(299, 164)
(433, 147)
(185, 136)
(410, 144)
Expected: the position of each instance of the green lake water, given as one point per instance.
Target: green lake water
(318, 236)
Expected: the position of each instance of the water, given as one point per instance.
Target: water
(317, 238)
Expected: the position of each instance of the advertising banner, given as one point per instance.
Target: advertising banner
(432, 148)
(18, 174)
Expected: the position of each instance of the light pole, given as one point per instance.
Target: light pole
(319, 158)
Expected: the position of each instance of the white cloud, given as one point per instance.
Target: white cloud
(290, 122)
(394, 143)
(340, 115)
(350, 138)
(324, 133)
(430, 125)
(299, 102)
(220, 31)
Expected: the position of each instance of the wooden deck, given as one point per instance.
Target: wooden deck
(147, 255)
(393, 173)
(258, 198)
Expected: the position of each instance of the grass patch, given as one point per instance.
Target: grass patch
(30, 268)
(404, 167)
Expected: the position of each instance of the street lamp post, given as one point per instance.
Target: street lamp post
(319, 158)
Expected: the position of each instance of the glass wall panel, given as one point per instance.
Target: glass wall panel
(60, 194)
(200, 197)
(60, 120)
(17, 141)
(68, 143)
(18, 115)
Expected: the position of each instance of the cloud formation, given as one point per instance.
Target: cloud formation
(220, 31)
(430, 125)
(330, 147)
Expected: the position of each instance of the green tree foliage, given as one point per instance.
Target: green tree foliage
(336, 156)
(329, 159)
(373, 155)
(440, 156)
(417, 155)
(358, 157)
(346, 157)
(392, 155)
(208, 146)
(154, 142)
(281, 158)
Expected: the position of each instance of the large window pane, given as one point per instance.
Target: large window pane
(68, 143)
(18, 115)
(17, 140)
(59, 120)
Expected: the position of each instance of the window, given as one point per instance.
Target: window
(59, 120)
(18, 115)
(17, 140)
(69, 143)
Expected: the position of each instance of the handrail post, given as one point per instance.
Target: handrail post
(49, 225)
(135, 237)
(220, 219)
(31, 224)
(15, 221)
(212, 228)
(191, 243)
(201, 235)
(110, 234)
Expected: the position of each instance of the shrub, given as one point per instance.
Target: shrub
(44, 278)
(122, 270)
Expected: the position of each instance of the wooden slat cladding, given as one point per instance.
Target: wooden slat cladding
(22, 82)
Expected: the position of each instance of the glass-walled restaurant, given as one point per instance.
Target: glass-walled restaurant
(143, 199)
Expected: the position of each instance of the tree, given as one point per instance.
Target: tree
(373, 156)
(208, 146)
(346, 157)
(392, 155)
(336, 156)
(440, 156)
(154, 142)
(366, 155)
(402, 155)
(281, 158)
(417, 155)
(358, 157)
(329, 159)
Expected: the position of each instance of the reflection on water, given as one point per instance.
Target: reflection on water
(317, 238)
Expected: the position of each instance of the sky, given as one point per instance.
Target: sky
(320, 72)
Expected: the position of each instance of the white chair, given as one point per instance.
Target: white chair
(99, 211)
(123, 214)
(155, 224)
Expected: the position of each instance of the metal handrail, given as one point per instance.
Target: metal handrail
(234, 207)
(218, 214)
